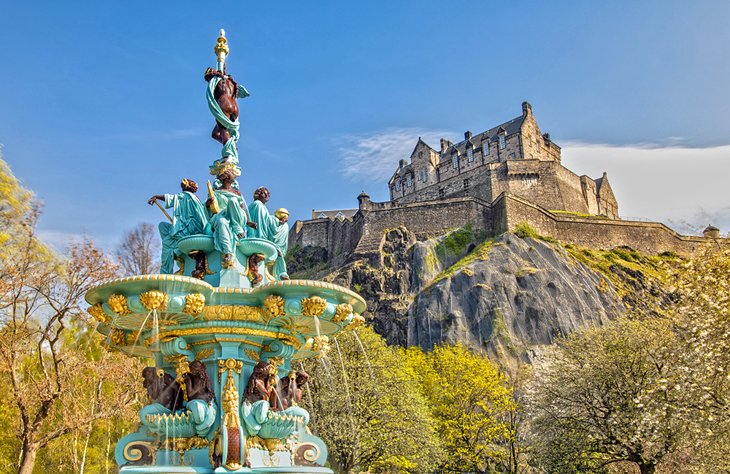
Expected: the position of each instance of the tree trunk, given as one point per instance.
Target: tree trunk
(647, 468)
(27, 459)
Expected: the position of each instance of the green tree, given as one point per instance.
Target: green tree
(366, 405)
(608, 395)
(470, 401)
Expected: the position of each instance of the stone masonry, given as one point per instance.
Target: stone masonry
(494, 181)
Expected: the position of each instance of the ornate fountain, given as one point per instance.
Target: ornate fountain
(225, 330)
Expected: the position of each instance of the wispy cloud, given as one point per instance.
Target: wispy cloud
(682, 186)
(374, 157)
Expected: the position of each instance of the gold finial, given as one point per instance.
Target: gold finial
(221, 49)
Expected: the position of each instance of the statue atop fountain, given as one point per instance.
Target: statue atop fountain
(223, 330)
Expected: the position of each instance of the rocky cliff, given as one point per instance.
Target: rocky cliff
(506, 296)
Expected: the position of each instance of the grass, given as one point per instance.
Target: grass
(480, 252)
(524, 230)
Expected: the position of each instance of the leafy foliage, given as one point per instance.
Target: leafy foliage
(365, 403)
(469, 399)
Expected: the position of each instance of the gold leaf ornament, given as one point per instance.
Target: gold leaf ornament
(274, 305)
(342, 311)
(98, 313)
(356, 322)
(154, 300)
(118, 304)
(194, 303)
(313, 306)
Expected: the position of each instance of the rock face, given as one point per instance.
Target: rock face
(524, 294)
(506, 297)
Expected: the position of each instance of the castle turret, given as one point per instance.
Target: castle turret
(363, 200)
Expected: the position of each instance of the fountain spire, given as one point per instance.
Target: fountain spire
(221, 50)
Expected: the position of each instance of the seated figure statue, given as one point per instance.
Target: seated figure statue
(200, 396)
(165, 394)
(228, 216)
(272, 228)
(188, 218)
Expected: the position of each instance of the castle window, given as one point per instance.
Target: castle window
(442, 193)
(485, 148)
(422, 174)
(466, 183)
(502, 142)
(470, 154)
(420, 154)
(397, 185)
(409, 181)
(322, 215)
(339, 215)
(455, 160)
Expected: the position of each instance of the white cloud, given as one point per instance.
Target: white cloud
(374, 158)
(684, 187)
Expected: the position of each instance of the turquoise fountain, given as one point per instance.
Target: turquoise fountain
(225, 331)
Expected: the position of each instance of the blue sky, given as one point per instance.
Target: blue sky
(102, 103)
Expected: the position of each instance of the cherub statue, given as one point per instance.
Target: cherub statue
(188, 218)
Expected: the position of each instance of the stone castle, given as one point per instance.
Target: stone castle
(493, 181)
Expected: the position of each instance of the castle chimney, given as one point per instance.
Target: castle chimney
(467, 135)
(445, 144)
(402, 164)
(526, 109)
(546, 137)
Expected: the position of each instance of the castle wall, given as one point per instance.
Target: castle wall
(425, 219)
(647, 237)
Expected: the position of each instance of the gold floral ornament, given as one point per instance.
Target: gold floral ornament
(97, 313)
(342, 311)
(274, 305)
(356, 322)
(154, 300)
(321, 344)
(194, 303)
(118, 337)
(118, 304)
(313, 306)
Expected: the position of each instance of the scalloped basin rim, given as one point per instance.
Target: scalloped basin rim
(182, 284)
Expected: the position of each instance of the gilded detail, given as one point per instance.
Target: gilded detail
(229, 400)
(232, 313)
(321, 344)
(342, 311)
(118, 337)
(154, 300)
(97, 313)
(118, 304)
(194, 303)
(287, 338)
(203, 354)
(357, 321)
(274, 305)
(313, 306)
(252, 354)
(183, 444)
